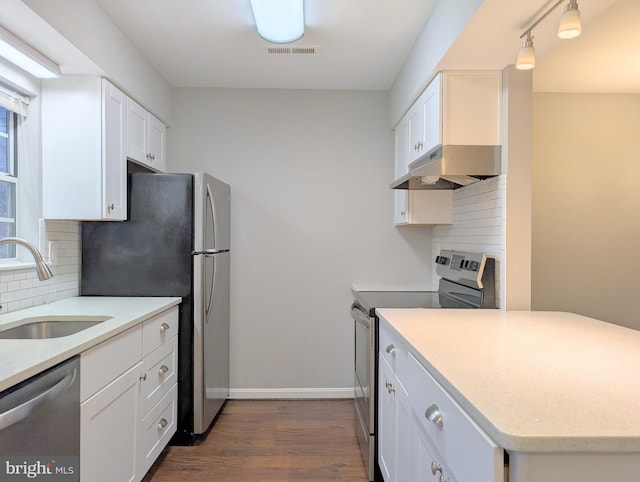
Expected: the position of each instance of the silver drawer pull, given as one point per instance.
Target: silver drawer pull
(435, 468)
(434, 415)
(143, 377)
(442, 479)
(163, 369)
(164, 327)
(391, 350)
(162, 424)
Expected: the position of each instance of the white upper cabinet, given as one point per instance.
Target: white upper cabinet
(84, 171)
(470, 108)
(402, 152)
(422, 207)
(145, 137)
(456, 108)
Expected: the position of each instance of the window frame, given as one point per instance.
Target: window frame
(11, 177)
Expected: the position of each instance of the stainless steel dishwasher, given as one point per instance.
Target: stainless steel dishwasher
(40, 426)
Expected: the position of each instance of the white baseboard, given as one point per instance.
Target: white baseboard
(289, 393)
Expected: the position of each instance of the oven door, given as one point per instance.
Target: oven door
(364, 382)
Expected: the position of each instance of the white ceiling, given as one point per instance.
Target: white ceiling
(362, 44)
(194, 43)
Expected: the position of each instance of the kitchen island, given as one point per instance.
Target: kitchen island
(558, 392)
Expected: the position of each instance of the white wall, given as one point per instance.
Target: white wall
(445, 24)
(89, 29)
(311, 213)
(586, 200)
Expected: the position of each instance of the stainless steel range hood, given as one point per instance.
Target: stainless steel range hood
(451, 167)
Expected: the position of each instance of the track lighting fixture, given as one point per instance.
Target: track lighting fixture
(570, 27)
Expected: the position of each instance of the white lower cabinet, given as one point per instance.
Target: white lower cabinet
(394, 412)
(456, 444)
(108, 430)
(128, 400)
(423, 434)
(395, 423)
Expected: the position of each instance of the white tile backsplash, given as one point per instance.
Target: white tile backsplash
(478, 224)
(21, 288)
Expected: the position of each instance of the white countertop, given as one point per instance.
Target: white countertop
(533, 381)
(21, 359)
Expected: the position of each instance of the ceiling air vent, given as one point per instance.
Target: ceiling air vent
(292, 50)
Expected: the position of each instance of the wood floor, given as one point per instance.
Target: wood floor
(270, 440)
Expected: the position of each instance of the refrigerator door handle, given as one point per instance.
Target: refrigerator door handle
(209, 251)
(207, 309)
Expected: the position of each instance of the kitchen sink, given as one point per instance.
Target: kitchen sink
(39, 328)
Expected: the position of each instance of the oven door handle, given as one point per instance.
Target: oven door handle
(360, 316)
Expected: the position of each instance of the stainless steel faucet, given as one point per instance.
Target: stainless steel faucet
(42, 269)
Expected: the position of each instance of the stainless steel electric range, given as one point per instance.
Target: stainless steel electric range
(467, 280)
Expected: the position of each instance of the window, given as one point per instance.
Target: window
(8, 179)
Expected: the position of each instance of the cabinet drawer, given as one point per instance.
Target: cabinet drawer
(459, 442)
(104, 362)
(160, 368)
(156, 429)
(393, 349)
(159, 329)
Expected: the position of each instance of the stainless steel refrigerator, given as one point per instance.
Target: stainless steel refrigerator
(175, 242)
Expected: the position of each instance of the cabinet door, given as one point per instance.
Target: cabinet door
(157, 135)
(386, 423)
(403, 433)
(108, 422)
(431, 105)
(137, 128)
(471, 108)
(423, 207)
(402, 148)
(394, 424)
(400, 208)
(114, 179)
(415, 120)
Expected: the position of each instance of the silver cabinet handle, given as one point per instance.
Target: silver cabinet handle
(164, 327)
(111, 207)
(163, 369)
(434, 415)
(442, 479)
(162, 424)
(391, 350)
(435, 468)
(143, 377)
